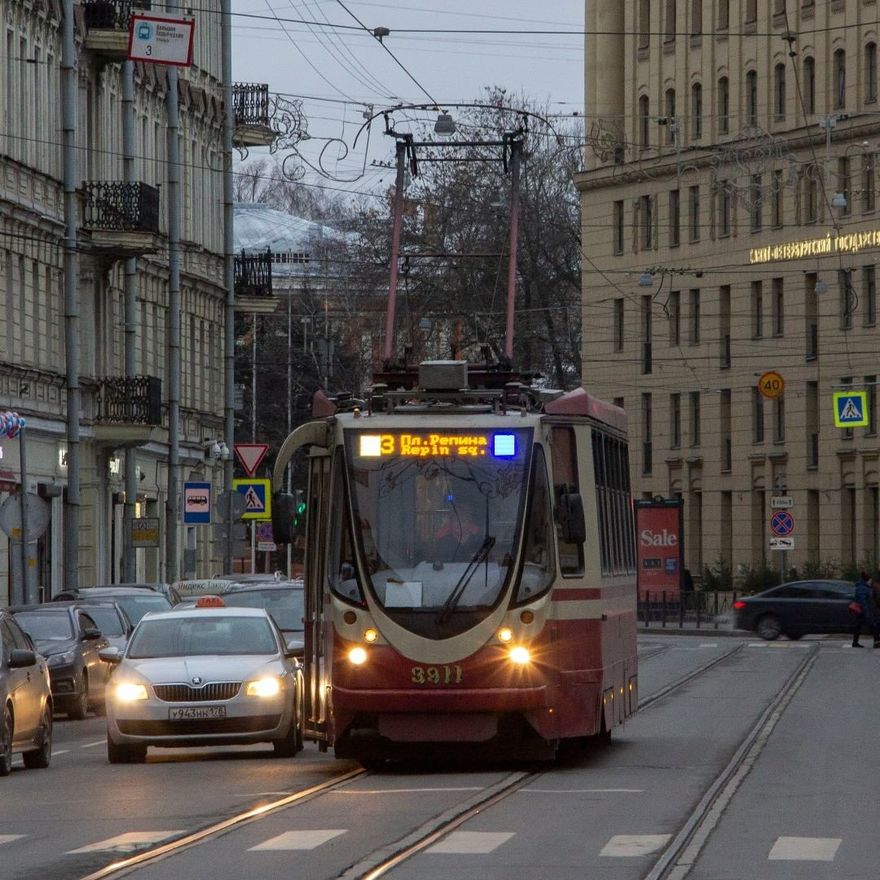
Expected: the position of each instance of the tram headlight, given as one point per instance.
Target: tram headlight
(357, 656)
(520, 655)
(370, 635)
(505, 634)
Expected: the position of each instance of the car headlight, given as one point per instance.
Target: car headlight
(129, 692)
(61, 659)
(263, 687)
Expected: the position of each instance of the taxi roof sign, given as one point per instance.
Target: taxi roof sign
(851, 409)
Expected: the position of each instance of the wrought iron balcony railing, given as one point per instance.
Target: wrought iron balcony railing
(250, 103)
(129, 400)
(253, 274)
(112, 15)
(120, 207)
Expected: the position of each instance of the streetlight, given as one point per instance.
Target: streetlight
(646, 279)
(445, 125)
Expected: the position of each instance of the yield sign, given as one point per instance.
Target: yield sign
(251, 455)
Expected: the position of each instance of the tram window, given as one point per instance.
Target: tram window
(342, 571)
(613, 504)
(565, 479)
(537, 571)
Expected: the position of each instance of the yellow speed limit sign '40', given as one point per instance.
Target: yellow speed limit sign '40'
(771, 385)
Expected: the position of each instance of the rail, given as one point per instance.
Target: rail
(692, 610)
(120, 207)
(250, 103)
(253, 274)
(112, 15)
(129, 400)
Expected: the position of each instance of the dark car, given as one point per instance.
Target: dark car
(68, 637)
(796, 609)
(110, 619)
(134, 601)
(284, 600)
(25, 699)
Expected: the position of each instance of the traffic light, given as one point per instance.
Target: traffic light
(283, 507)
(299, 511)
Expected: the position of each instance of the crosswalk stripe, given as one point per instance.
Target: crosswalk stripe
(471, 842)
(298, 840)
(126, 843)
(628, 845)
(805, 849)
(10, 838)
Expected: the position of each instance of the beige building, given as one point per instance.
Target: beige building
(731, 228)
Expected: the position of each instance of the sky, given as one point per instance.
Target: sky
(343, 72)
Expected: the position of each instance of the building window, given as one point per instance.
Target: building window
(694, 318)
(671, 122)
(839, 68)
(694, 400)
(644, 123)
(779, 92)
(646, 221)
(669, 31)
(618, 227)
(868, 182)
(751, 11)
(674, 218)
(869, 295)
(779, 419)
(809, 86)
(723, 105)
(756, 201)
(757, 416)
(810, 198)
(847, 298)
(757, 310)
(673, 308)
(871, 389)
(778, 7)
(646, 434)
(618, 324)
(675, 421)
(696, 18)
(644, 23)
(871, 73)
(843, 184)
(751, 98)
(778, 307)
(778, 207)
(696, 111)
(846, 384)
(723, 14)
(647, 328)
(694, 212)
(725, 209)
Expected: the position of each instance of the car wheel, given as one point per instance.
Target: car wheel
(134, 753)
(286, 747)
(769, 627)
(79, 708)
(6, 743)
(39, 758)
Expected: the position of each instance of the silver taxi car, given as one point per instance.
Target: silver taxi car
(201, 676)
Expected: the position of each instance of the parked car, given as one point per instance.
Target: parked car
(25, 699)
(285, 602)
(134, 601)
(796, 609)
(203, 676)
(68, 637)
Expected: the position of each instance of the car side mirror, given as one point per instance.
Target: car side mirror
(19, 658)
(89, 634)
(110, 655)
(570, 515)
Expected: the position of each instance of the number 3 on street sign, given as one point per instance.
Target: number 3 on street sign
(771, 385)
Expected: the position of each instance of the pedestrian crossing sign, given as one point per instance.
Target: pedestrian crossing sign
(851, 409)
(257, 498)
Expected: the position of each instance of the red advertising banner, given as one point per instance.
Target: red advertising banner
(660, 545)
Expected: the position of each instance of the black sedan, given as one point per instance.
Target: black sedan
(70, 640)
(135, 601)
(284, 600)
(796, 609)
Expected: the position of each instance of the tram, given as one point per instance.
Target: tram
(469, 568)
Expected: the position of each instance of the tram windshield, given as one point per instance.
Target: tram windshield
(438, 514)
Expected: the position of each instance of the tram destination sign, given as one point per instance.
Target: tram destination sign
(470, 444)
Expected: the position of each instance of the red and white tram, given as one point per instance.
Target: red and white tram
(469, 567)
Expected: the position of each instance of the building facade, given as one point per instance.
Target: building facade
(731, 229)
(123, 222)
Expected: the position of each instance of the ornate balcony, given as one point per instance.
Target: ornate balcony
(121, 219)
(128, 410)
(107, 25)
(253, 283)
(253, 113)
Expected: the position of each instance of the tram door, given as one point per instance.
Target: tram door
(316, 579)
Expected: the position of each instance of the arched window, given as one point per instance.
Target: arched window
(696, 111)
(644, 132)
(809, 85)
(752, 98)
(779, 91)
(870, 73)
(723, 105)
(839, 79)
(671, 123)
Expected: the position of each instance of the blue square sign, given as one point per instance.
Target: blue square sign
(196, 504)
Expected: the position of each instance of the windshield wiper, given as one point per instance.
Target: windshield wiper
(458, 590)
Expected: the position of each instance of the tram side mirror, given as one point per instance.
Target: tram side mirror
(570, 515)
(283, 512)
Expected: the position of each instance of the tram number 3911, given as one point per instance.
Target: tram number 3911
(446, 674)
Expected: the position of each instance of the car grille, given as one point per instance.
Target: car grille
(184, 693)
(197, 727)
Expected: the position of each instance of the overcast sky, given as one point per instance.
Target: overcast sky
(340, 71)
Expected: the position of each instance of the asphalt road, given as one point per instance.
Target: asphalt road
(780, 734)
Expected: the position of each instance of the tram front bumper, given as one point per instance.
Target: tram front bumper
(440, 701)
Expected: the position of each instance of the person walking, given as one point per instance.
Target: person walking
(863, 597)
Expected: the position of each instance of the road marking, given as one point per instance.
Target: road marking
(758, 644)
(582, 790)
(709, 645)
(126, 843)
(100, 742)
(298, 840)
(471, 842)
(628, 845)
(407, 790)
(10, 838)
(60, 752)
(805, 849)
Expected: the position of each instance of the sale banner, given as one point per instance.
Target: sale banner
(660, 547)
